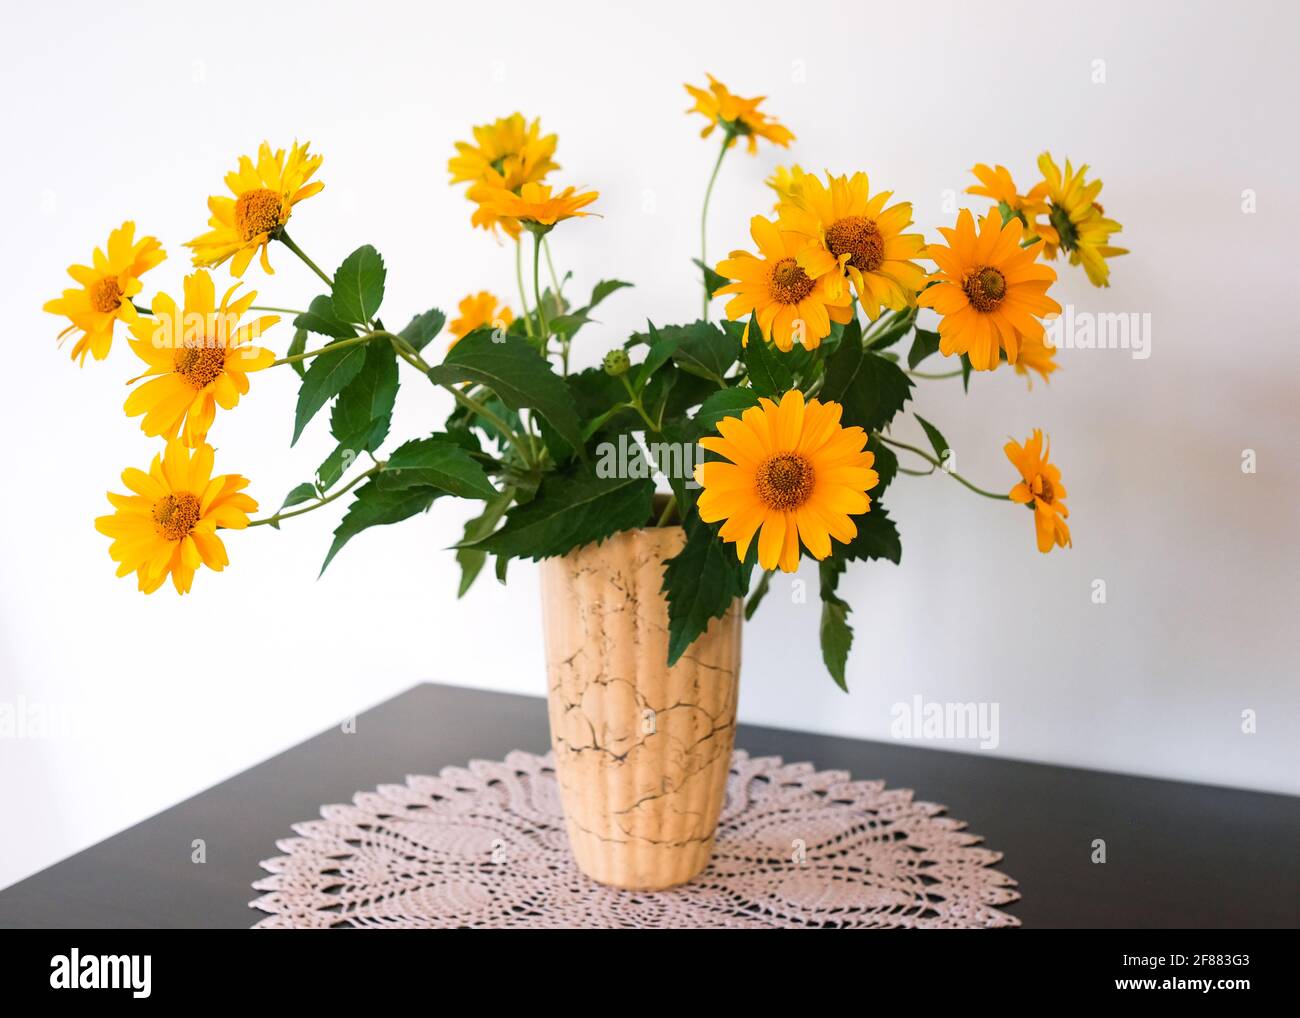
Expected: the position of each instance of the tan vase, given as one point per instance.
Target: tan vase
(642, 751)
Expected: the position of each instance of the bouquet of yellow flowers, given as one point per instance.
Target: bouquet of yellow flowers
(770, 423)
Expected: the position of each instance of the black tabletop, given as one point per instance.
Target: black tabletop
(1177, 855)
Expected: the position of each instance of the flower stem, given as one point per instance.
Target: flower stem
(275, 520)
(951, 473)
(668, 511)
(946, 374)
(556, 286)
(287, 241)
(341, 344)
(519, 278)
(704, 216)
(537, 290)
(283, 311)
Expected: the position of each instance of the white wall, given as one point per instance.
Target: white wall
(110, 115)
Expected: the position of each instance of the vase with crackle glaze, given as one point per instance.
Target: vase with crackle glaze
(642, 751)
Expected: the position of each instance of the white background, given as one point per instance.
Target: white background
(114, 112)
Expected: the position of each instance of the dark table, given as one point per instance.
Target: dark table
(1178, 855)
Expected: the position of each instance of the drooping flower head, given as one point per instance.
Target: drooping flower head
(479, 310)
(738, 117)
(997, 183)
(104, 290)
(1035, 355)
(504, 155)
(1075, 221)
(536, 208)
(989, 290)
(1041, 489)
(787, 182)
(168, 525)
(793, 303)
(198, 358)
(851, 232)
(265, 193)
(794, 476)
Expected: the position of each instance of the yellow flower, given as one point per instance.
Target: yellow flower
(794, 472)
(851, 232)
(264, 197)
(791, 302)
(535, 207)
(104, 291)
(200, 356)
(1035, 355)
(996, 183)
(989, 290)
(1076, 222)
(168, 526)
(477, 310)
(509, 152)
(739, 118)
(787, 182)
(1041, 488)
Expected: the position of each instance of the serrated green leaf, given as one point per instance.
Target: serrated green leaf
(325, 378)
(321, 319)
(297, 346)
(871, 389)
(661, 348)
(925, 344)
(723, 403)
(836, 633)
(435, 462)
(937, 441)
(471, 559)
(364, 410)
(712, 281)
(375, 507)
(707, 351)
(423, 328)
(570, 511)
(518, 375)
(886, 465)
(304, 492)
(337, 463)
(877, 537)
(359, 285)
(568, 324)
(701, 583)
(769, 373)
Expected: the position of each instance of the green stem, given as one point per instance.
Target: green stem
(951, 473)
(278, 517)
(556, 287)
(283, 311)
(946, 374)
(668, 511)
(341, 344)
(288, 242)
(519, 279)
(537, 290)
(704, 216)
(143, 311)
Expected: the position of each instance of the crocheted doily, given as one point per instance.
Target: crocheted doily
(485, 846)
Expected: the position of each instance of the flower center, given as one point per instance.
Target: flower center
(789, 283)
(176, 514)
(105, 295)
(1045, 493)
(257, 212)
(858, 237)
(199, 365)
(1060, 218)
(784, 481)
(985, 288)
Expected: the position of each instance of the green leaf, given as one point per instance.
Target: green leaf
(603, 289)
(299, 345)
(375, 506)
(925, 344)
(517, 374)
(661, 348)
(304, 492)
(569, 511)
(886, 465)
(701, 583)
(336, 464)
(877, 537)
(436, 462)
(568, 324)
(423, 328)
(325, 378)
(937, 441)
(472, 559)
(966, 369)
(836, 633)
(321, 319)
(723, 403)
(870, 388)
(359, 285)
(364, 410)
(769, 374)
(712, 281)
(760, 592)
(707, 351)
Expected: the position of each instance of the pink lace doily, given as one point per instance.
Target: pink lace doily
(485, 846)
